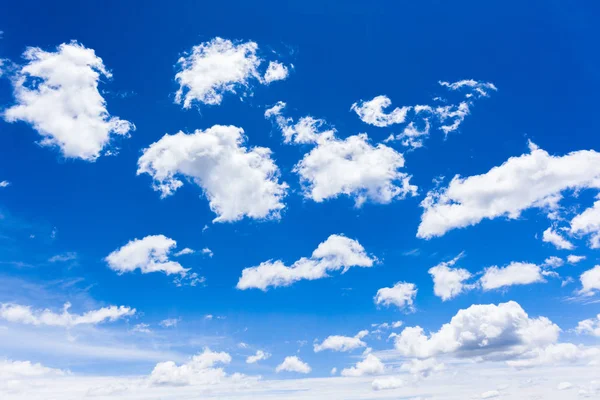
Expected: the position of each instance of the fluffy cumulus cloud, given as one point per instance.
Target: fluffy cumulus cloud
(515, 273)
(26, 370)
(555, 238)
(574, 259)
(449, 282)
(150, 254)
(422, 368)
(372, 112)
(480, 330)
(421, 119)
(369, 365)
(199, 370)
(355, 168)
(401, 295)
(293, 364)
(57, 93)
(260, 355)
(337, 252)
(531, 180)
(590, 281)
(219, 66)
(17, 313)
(306, 130)
(588, 223)
(589, 326)
(238, 182)
(557, 354)
(342, 343)
(276, 71)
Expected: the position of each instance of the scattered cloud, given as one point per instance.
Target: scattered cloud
(554, 262)
(337, 252)
(306, 130)
(588, 223)
(57, 93)
(387, 383)
(169, 323)
(238, 182)
(16, 313)
(276, 71)
(293, 364)
(448, 282)
(402, 295)
(4, 184)
(590, 281)
(556, 239)
(342, 343)
(530, 180)
(372, 112)
(207, 251)
(184, 252)
(199, 370)
(589, 326)
(64, 257)
(260, 355)
(370, 365)
(574, 259)
(515, 273)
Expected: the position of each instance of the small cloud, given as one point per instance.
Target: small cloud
(185, 251)
(141, 328)
(64, 257)
(207, 251)
(4, 184)
(169, 323)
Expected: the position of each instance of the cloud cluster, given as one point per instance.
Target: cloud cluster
(199, 370)
(369, 365)
(293, 364)
(531, 180)
(17, 313)
(260, 355)
(515, 273)
(337, 252)
(238, 182)
(448, 282)
(57, 93)
(220, 66)
(342, 343)
(401, 295)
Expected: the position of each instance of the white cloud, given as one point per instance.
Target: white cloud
(589, 326)
(184, 251)
(26, 370)
(141, 328)
(387, 383)
(276, 71)
(199, 370)
(590, 281)
(220, 66)
(422, 368)
(480, 330)
(554, 262)
(588, 223)
(564, 386)
(402, 295)
(574, 259)
(557, 354)
(293, 364)
(17, 313)
(455, 113)
(555, 238)
(447, 281)
(64, 104)
(337, 252)
(370, 365)
(342, 343)
(260, 355)
(306, 130)
(69, 256)
(515, 273)
(530, 180)
(169, 323)
(207, 251)
(150, 254)
(475, 87)
(372, 112)
(237, 181)
(355, 168)
(4, 184)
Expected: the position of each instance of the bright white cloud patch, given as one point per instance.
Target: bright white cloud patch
(306, 130)
(276, 71)
(422, 368)
(515, 273)
(17, 313)
(590, 281)
(589, 326)
(237, 181)
(588, 223)
(293, 364)
(4, 184)
(260, 355)
(169, 323)
(342, 343)
(220, 66)
(530, 180)
(574, 259)
(372, 112)
(556, 239)
(448, 282)
(480, 330)
(337, 252)
(184, 252)
(355, 168)
(370, 365)
(199, 370)
(150, 254)
(26, 370)
(401, 295)
(557, 354)
(387, 383)
(57, 93)
(554, 262)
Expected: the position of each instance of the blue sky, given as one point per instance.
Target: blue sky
(527, 76)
